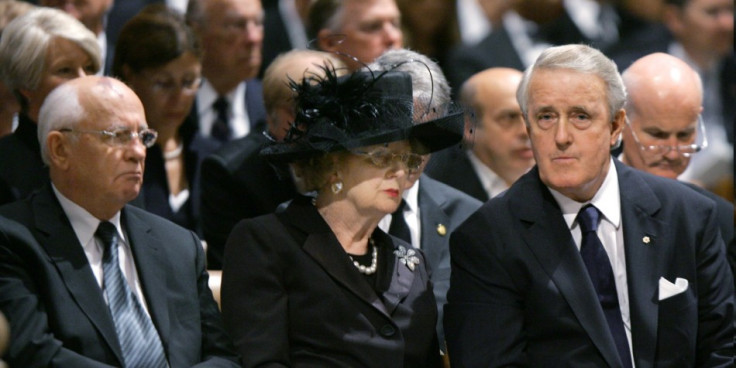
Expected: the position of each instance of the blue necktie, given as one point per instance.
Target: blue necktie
(399, 228)
(221, 127)
(138, 338)
(601, 274)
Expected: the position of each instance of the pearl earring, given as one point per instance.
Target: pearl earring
(336, 187)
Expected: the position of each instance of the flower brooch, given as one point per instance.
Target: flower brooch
(407, 257)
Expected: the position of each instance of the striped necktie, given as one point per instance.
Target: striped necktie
(138, 338)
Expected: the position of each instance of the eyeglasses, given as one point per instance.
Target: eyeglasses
(168, 87)
(660, 149)
(120, 137)
(384, 158)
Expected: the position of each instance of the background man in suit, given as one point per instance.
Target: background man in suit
(663, 107)
(362, 29)
(237, 183)
(131, 293)
(585, 261)
(229, 103)
(430, 210)
(499, 152)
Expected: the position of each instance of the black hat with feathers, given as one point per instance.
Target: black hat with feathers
(356, 110)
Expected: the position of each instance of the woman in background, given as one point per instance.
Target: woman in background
(38, 51)
(159, 57)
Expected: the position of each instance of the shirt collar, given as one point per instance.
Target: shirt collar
(492, 183)
(206, 96)
(607, 200)
(411, 197)
(84, 223)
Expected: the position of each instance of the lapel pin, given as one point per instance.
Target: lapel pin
(442, 230)
(646, 240)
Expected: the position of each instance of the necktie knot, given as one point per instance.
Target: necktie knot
(107, 232)
(221, 105)
(588, 218)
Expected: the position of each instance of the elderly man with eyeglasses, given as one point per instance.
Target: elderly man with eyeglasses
(665, 128)
(87, 280)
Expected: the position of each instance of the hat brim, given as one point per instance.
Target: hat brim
(427, 137)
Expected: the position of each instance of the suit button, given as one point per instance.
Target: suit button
(387, 331)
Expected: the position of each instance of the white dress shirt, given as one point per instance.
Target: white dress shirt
(608, 201)
(492, 183)
(411, 216)
(239, 120)
(85, 225)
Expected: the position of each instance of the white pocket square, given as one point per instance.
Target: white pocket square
(668, 289)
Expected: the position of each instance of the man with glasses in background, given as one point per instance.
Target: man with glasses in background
(87, 280)
(665, 128)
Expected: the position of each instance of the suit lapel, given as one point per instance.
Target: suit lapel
(549, 238)
(643, 262)
(322, 245)
(326, 250)
(150, 264)
(57, 237)
(432, 216)
(399, 276)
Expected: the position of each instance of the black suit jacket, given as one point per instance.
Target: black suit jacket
(57, 313)
(292, 297)
(453, 167)
(21, 169)
(495, 50)
(520, 295)
(238, 184)
(155, 192)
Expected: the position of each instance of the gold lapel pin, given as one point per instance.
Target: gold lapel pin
(442, 230)
(646, 240)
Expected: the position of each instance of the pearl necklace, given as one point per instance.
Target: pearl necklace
(170, 155)
(374, 261)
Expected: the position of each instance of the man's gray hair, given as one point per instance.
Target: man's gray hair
(579, 58)
(25, 42)
(430, 88)
(60, 109)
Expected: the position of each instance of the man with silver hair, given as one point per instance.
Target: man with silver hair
(585, 261)
(430, 210)
(38, 51)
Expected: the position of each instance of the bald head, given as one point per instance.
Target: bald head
(664, 100)
(662, 79)
(500, 139)
(278, 96)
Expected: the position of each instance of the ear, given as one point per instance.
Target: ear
(59, 152)
(327, 41)
(617, 126)
(25, 93)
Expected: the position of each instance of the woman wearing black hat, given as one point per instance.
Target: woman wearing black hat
(318, 284)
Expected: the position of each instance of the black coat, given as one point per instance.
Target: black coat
(292, 297)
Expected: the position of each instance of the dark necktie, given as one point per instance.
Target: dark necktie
(221, 127)
(139, 341)
(601, 274)
(399, 228)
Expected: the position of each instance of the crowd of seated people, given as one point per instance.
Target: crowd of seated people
(381, 183)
